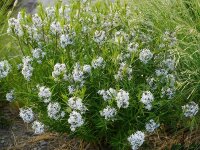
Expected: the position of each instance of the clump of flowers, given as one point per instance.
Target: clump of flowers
(37, 21)
(98, 62)
(151, 126)
(108, 94)
(169, 39)
(75, 103)
(75, 120)
(109, 113)
(77, 73)
(145, 56)
(190, 109)
(87, 69)
(15, 26)
(38, 54)
(26, 114)
(147, 99)
(136, 139)
(55, 28)
(4, 68)
(99, 36)
(10, 96)
(59, 71)
(38, 127)
(44, 94)
(169, 63)
(133, 47)
(122, 99)
(124, 70)
(65, 40)
(27, 69)
(53, 110)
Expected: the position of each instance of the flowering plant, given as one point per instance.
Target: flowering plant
(92, 70)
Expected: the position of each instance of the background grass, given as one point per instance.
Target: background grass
(183, 16)
(7, 49)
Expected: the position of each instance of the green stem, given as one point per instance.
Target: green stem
(20, 46)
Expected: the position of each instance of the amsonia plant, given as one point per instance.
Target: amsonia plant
(93, 69)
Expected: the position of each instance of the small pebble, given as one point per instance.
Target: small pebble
(2, 141)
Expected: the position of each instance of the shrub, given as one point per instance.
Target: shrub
(96, 71)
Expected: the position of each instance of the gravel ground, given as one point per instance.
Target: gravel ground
(30, 5)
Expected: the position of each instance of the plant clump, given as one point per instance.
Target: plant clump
(91, 69)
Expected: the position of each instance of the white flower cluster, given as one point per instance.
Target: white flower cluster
(53, 110)
(190, 109)
(50, 11)
(76, 103)
(55, 28)
(98, 62)
(71, 89)
(4, 68)
(59, 71)
(170, 79)
(124, 69)
(147, 98)
(161, 72)
(151, 126)
(107, 25)
(37, 21)
(169, 39)
(145, 37)
(38, 54)
(122, 57)
(122, 99)
(170, 64)
(152, 83)
(145, 56)
(27, 69)
(26, 114)
(34, 33)
(99, 36)
(15, 26)
(10, 96)
(120, 36)
(166, 76)
(136, 140)
(64, 11)
(87, 69)
(44, 94)
(65, 40)
(133, 47)
(78, 76)
(169, 92)
(109, 113)
(75, 120)
(77, 73)
(108, 94)
(38, 127)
